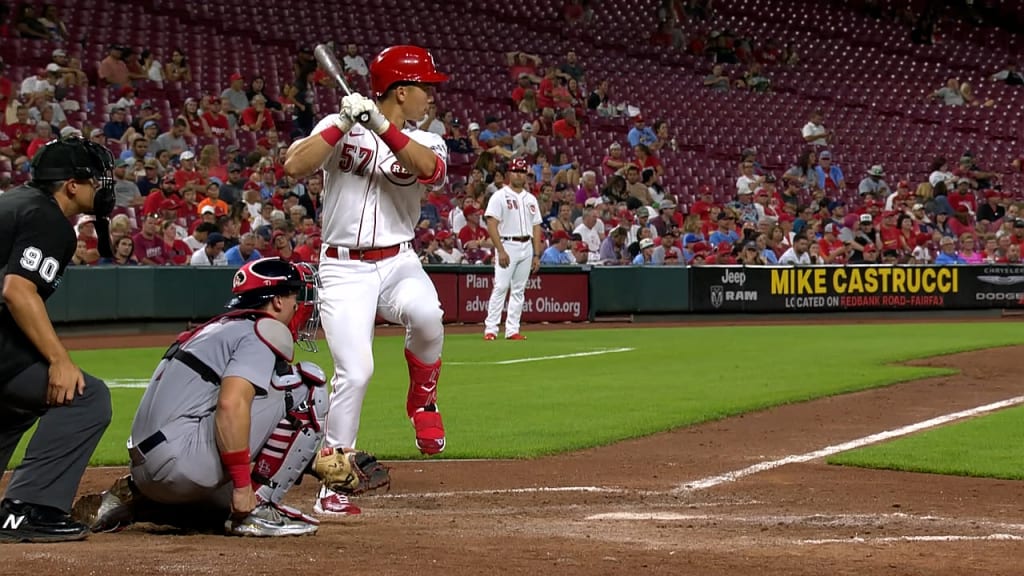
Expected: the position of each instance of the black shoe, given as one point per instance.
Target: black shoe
(24, 522)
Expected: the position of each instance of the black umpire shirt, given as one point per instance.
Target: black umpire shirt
(36, 242)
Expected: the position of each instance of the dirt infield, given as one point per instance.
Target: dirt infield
(626, 508)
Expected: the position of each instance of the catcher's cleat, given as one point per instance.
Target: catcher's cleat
(516, 336)
(266, 521)
(330, 503)
(429, 430)
(110, 510)
(24, 522)
(490, 337)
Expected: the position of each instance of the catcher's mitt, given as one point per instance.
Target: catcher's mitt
(350, 471)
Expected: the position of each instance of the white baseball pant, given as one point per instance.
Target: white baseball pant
(509, 279)
(352, 293)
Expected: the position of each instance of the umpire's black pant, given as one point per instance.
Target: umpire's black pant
(64, 441)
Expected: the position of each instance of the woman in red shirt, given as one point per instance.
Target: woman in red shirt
(195, 125)
(175, 251)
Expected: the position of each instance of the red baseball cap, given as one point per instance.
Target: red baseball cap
(470, 210)
(234, 77)
(560, 235)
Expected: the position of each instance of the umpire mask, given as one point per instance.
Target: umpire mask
(75, 158)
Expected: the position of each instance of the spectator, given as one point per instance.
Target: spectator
(136, 72)
(646, 255)
(968, 252)
(726, 232)
(667, 253)
(967, 91)
(113, 70)
(212, 252)
(197, 240)
(70, 70)
(33, 87)
(148, 244)
(568, 126)
(571, 67)
(525, 143)
(177, 70)
(598, 100)
(147, 121)
(717, 81)
(354, 65)
(798, 254)
(117, 128)
(614, 248)
(520, 63)
(558, 252)
(874, 183)
(494, 135)
(257, 118)
(124, 253)
(1009, 76)
(44, 133)
(195, 124)
(950, 94)
(233, 99)
(137, 153)
(614, 162)
(28, 26)
(176, 252)
(640, 133)
(446, 249)
(126, 191)
(947, 253)
(635, 188)
(751, 256)
(244, 252)
(748, 181)
(150, 178)
(217, 121)
(591, 231)
(644, 159)
(754, 79)
(814, 132)
(830, 176)
(173, 140)
(154, 69)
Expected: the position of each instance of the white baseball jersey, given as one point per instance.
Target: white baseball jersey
(369, 199)
(516, 212)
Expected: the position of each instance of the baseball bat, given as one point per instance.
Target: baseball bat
(330, 64)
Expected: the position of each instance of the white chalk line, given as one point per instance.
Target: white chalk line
(819, 519)
(535, 490)
(133, 383)
(897, 539)
(712, 481)
(599, 352)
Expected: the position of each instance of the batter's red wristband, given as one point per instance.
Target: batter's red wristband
(237, 465)
(394, 138)
(332, 135)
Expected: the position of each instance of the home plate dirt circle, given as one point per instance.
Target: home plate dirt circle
(618, 509)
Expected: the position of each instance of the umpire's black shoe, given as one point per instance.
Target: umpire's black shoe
(24, 522)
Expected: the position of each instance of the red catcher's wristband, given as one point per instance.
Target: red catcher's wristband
(394, 138)
(237, 465)
(332, 135)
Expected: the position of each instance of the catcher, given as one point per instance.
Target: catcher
(229, 423)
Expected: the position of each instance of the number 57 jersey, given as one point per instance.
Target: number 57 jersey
(370, 199)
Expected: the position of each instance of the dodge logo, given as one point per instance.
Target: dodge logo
(717, 296)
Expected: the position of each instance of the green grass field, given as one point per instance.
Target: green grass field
(670, 377)
(989, 446)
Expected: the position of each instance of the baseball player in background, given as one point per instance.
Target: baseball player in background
(374, 177)
(38, 380)
(224, 398)
(513, 223)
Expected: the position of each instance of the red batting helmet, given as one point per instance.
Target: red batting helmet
(517, 165)
(403, 64)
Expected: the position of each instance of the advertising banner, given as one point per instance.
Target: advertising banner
(834, 288)
(549, 297)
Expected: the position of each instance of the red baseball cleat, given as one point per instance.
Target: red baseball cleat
(516, 336)
(429, 430)
(330, 503)
(490, 337)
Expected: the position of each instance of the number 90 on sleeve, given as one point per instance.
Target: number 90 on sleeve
(32, 260)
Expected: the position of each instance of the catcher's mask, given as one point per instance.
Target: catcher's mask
(74, 158)
(257, 282)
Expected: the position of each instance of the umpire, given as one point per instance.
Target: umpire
(38, 380)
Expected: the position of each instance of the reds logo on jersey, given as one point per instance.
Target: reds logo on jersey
(395, 173)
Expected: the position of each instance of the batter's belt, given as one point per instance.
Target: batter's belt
(517, 238)
(364, 254)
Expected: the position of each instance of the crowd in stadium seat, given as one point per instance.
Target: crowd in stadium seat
(203, 183)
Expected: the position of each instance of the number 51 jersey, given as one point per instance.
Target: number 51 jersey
(36, 242)
(370, 199)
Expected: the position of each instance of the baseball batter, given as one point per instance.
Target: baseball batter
(374, 177)
(226, 397)
(513, 223)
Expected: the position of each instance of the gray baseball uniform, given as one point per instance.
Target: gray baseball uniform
(173, 443)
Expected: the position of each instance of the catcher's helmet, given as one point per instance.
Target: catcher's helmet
(74, 158)
(403, 64)
(518, 165)
(257, 282)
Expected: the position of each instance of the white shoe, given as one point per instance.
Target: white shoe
(268, 521)
(330, 503)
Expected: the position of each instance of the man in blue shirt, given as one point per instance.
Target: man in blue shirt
(558, 252)
(948, 256)
(726, 230)
(494, 135)
(640, 133)
(244, 252)
(646, 255)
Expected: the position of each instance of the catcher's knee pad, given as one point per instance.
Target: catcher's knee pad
(295, 440)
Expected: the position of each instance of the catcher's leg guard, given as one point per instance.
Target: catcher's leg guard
(421, 404)
(291, 447)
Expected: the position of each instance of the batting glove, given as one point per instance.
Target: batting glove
(356, 104)
(343, 122)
